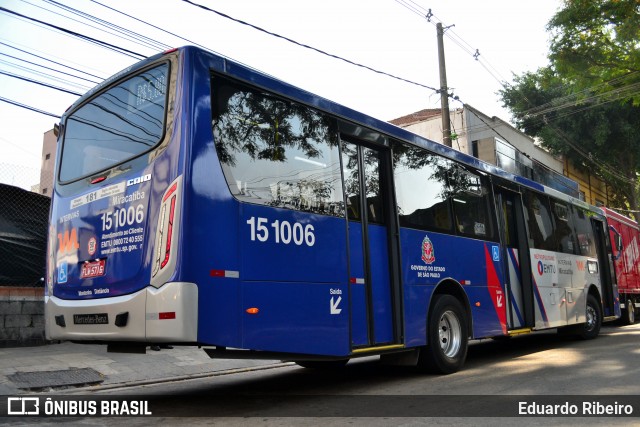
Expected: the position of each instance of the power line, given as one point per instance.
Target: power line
(120, 32)
(348, 61)
(15, 76)
(150, 25)
(170, 33)
(43, 74)
(50, 60)
(119, 49)
(416, 8)
(37, 110)
(49, 68)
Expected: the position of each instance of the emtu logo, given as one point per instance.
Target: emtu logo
(545, 268)
(68, 242)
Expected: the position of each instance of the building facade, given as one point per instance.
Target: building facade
(497, 142)
(48, 162)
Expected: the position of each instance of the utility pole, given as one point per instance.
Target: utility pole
(444, 90)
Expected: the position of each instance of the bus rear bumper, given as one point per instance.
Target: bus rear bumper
(155, 315)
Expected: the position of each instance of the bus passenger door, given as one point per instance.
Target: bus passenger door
(607, 270)
(372, 299)
(513, 236)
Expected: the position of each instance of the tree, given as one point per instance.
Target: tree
(595, 45)
(586, 103)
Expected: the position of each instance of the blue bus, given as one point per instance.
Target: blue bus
(199, 202)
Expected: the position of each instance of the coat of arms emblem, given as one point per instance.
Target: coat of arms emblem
(428, 254)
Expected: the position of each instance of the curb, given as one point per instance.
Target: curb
(125, 385)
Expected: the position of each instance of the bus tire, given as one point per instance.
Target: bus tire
(326, 365)
(629, 313)
(447, 339)
(591, 328)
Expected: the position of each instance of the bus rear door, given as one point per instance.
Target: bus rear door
(519, 287)
(373, 283)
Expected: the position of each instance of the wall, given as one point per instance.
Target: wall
(595, 190)
(21, 316)
(48, 161)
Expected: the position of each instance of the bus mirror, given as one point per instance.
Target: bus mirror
(56, 130)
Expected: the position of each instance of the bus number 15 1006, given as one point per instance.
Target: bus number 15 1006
(283, 231)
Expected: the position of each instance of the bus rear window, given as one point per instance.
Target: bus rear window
(119, 124)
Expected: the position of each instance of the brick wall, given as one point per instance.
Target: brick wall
(21, 316)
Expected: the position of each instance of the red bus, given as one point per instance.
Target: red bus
(625, 236)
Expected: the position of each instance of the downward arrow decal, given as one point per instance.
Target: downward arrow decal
(334, 306)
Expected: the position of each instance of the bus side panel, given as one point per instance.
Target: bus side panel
(627, 264)
(561, 284)
(429, 259)
(211, 254)
(295, 317)
(294, 281)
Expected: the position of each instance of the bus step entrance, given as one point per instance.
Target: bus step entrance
(520, 331)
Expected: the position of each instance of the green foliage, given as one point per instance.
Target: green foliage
(595, 46)
(586, 103)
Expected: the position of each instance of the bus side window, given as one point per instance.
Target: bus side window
(274, 151)
(584, 232)
(562, 231)
(421, 189)
(471, 204)
(351, 181)
(539, 222)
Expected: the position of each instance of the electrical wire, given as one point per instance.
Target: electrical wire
(120, 32)
(50, 60)
(45, 75)
(28, 107)
(49, 68)
(348, 61)
(102, 43)
(416, 8)
(15, 76)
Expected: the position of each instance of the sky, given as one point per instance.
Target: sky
(393, 36)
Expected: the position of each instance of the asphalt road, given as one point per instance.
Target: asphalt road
(544, 368)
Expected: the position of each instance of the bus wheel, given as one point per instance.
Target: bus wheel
(630, 314)
(447, 339)
(326, 365)
(591, 328)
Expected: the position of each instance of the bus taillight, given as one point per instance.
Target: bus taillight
(169, 232)
(168, 220)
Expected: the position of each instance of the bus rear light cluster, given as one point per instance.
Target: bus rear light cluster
(167, 252)
(166, 229)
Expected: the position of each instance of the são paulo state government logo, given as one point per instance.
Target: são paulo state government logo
(428, 254)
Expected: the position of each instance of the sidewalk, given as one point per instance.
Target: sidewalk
(105, 370)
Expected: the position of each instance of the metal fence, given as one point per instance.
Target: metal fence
(24, 215)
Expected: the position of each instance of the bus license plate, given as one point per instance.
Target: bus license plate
(93, 269)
